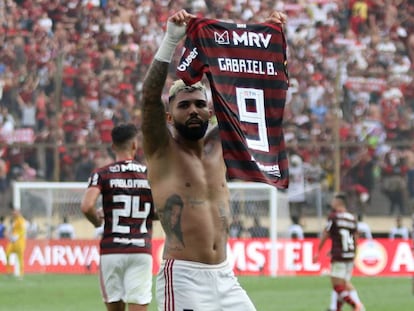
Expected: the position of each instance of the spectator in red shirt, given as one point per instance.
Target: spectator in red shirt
(105, 124)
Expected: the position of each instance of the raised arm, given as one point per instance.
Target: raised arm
(213, 135)
(154, 126)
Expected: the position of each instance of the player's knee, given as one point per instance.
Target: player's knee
(339, 288)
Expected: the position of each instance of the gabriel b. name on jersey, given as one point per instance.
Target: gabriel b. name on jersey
(252, 66)
(237, 65)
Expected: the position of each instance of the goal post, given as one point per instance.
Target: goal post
(264, 199)
(48, 202)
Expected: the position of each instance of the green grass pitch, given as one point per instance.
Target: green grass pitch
(47, 292)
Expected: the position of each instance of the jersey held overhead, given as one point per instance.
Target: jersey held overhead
(127, 205)
(246, 68)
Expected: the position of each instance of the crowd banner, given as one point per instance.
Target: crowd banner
(377, 257)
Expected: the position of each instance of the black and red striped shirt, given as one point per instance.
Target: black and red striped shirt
(246, 68)
(342, 228)
(128, 207)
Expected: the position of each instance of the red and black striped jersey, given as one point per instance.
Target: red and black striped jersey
(128, 207)
(247, 72)
(342, 228)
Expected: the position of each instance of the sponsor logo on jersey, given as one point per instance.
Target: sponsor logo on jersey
(136, 242)
(95, 179)
(246, 38)
(130, 167)
(222, 38)
(272, 170)
(133, 167)
(188, 60)
(115, 168)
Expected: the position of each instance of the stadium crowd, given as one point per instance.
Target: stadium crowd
(71, 70)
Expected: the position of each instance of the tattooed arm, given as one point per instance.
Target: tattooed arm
(154, 126)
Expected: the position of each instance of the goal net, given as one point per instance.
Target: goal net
(47, 203)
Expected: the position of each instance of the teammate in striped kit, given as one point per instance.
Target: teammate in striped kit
(341, 228)
(187, 174)
(128, 211)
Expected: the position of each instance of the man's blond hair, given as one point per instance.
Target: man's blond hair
(179, 85)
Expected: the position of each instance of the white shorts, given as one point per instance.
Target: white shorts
(192, 286)
(342, 270)
(126, 277)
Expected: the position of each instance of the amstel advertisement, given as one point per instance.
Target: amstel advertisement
(378, 257)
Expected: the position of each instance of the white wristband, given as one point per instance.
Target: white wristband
(167, 47)
(166, 50)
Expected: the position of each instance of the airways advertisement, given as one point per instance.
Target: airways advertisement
(378, 257)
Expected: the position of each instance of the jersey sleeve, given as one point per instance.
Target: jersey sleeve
(193, 62)
(329, 222)
(95, 180)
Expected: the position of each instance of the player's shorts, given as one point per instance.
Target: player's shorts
(126, 277)
(342, 269)
(193, 286)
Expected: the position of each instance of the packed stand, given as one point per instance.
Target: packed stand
(71, 70)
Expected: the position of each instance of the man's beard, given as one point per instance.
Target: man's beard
(192, 133)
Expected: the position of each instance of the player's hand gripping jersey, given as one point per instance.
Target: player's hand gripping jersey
(246, 68)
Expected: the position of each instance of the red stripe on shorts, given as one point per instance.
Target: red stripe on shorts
(168, 291)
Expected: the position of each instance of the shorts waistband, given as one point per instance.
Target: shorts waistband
(178, 263)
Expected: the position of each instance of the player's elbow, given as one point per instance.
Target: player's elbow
(87, 206)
